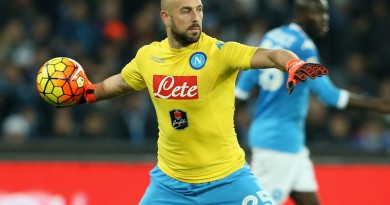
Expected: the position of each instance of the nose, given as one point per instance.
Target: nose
(195, 17)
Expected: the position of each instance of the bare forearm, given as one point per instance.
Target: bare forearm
(112, 87)
(266, 58)
(361, 102)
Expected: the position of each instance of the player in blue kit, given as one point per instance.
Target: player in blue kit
(276, 135)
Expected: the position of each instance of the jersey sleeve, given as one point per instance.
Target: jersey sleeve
(247, 80)
(132, 75)
(237, 56)
(328, 93)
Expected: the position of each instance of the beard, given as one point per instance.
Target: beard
(182, 37)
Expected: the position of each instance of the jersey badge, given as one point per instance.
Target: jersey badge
(179, 119)
(198, 60)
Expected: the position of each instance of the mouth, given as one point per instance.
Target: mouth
(194, 28)
(325, 26)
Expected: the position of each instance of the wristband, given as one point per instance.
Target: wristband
(291, 63)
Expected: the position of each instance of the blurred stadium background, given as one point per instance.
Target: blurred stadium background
(101, 153)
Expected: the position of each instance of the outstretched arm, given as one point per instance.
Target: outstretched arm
(287, 61)
(333, 96)
(111, 87)
(362, 102)
(267, 58)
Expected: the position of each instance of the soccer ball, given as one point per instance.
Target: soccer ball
(60, 82)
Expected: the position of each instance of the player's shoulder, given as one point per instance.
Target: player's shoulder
(292, 36)
(219, 45)
(291, 30)
(304, 40)
(211, 42)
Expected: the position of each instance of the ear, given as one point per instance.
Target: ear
(165, 18)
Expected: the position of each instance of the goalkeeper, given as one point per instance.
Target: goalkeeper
(190, 77)
(277, 130)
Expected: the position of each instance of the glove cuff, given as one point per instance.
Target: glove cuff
(89, 94)
(293, 62)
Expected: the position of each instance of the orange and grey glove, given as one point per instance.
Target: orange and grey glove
(298, 70)
(89, 92)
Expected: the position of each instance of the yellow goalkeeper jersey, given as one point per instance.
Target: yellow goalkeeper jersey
(192, 90)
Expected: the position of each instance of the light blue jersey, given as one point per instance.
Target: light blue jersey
(279, 119)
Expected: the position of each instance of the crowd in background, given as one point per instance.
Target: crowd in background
(104, 35)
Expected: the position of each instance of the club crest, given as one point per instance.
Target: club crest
(198, 60)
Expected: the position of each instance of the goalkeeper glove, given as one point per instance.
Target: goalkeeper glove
(298, 70)
(89, 92)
